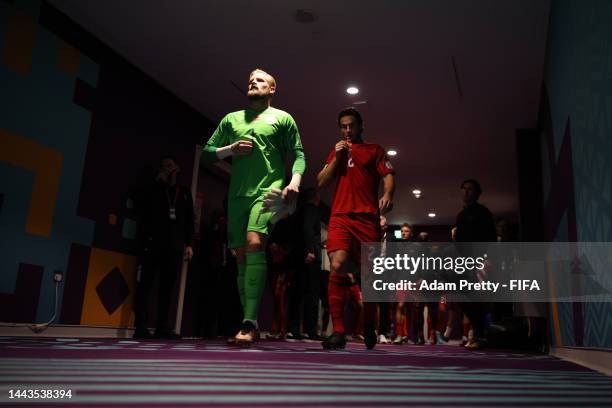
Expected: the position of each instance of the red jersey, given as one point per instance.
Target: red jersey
(357, 178)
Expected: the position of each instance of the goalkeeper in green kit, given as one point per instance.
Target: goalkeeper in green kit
(260, 140)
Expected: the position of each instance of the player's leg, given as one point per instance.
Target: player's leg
(338, 245)
(339, 260)
(236, 226)
(355, 299)
(255, 270)
(366, 229)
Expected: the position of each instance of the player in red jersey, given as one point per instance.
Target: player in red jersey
(357, 167)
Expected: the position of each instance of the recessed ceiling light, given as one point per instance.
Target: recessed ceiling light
(416, 193)
(351, 90)
(392, 153)
(431, 215)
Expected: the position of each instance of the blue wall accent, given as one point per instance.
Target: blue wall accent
(578, 77)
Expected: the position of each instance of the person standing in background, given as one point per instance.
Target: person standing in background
(167, 234)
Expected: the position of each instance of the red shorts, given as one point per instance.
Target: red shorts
(347, 231)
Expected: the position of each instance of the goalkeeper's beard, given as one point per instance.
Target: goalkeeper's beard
(257, 97)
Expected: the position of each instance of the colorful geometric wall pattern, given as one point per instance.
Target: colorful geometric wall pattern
(43, 141)
(578, 81)
(63, 117)
(46, 165)
(110, 288)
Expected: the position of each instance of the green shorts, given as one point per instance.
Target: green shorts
(243, 216)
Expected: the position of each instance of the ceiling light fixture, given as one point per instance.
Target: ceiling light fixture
(351, 90)
(431, 215)
(392, 153)
(416, 193)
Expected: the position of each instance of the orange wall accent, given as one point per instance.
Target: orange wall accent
(101, 262)
(46, 163)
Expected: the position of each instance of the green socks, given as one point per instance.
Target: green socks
(254, 283)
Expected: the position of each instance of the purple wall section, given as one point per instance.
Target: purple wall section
(561, 199)
(74, 286)
(14, 307)
(560, 202)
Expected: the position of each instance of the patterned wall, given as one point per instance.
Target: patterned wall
(78, 140)
(576, 124)
(43, 139)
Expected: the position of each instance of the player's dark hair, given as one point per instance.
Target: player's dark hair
(168, 157)
(475, 183)
(350, 111)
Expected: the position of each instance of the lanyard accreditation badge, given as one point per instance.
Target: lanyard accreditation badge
(172, 204)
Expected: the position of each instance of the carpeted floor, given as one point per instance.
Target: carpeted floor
(103, 372)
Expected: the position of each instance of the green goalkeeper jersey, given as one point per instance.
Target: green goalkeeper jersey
(275, 139)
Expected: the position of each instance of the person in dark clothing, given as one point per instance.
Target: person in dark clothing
(385, 309)
(475, 221)
(284, 256)
(403, 308)
(306, 285)
(323, 283)
(312, 261)
(475, 224)
(281, 274)
(167, 235)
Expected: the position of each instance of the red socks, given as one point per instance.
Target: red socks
(336, 291)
